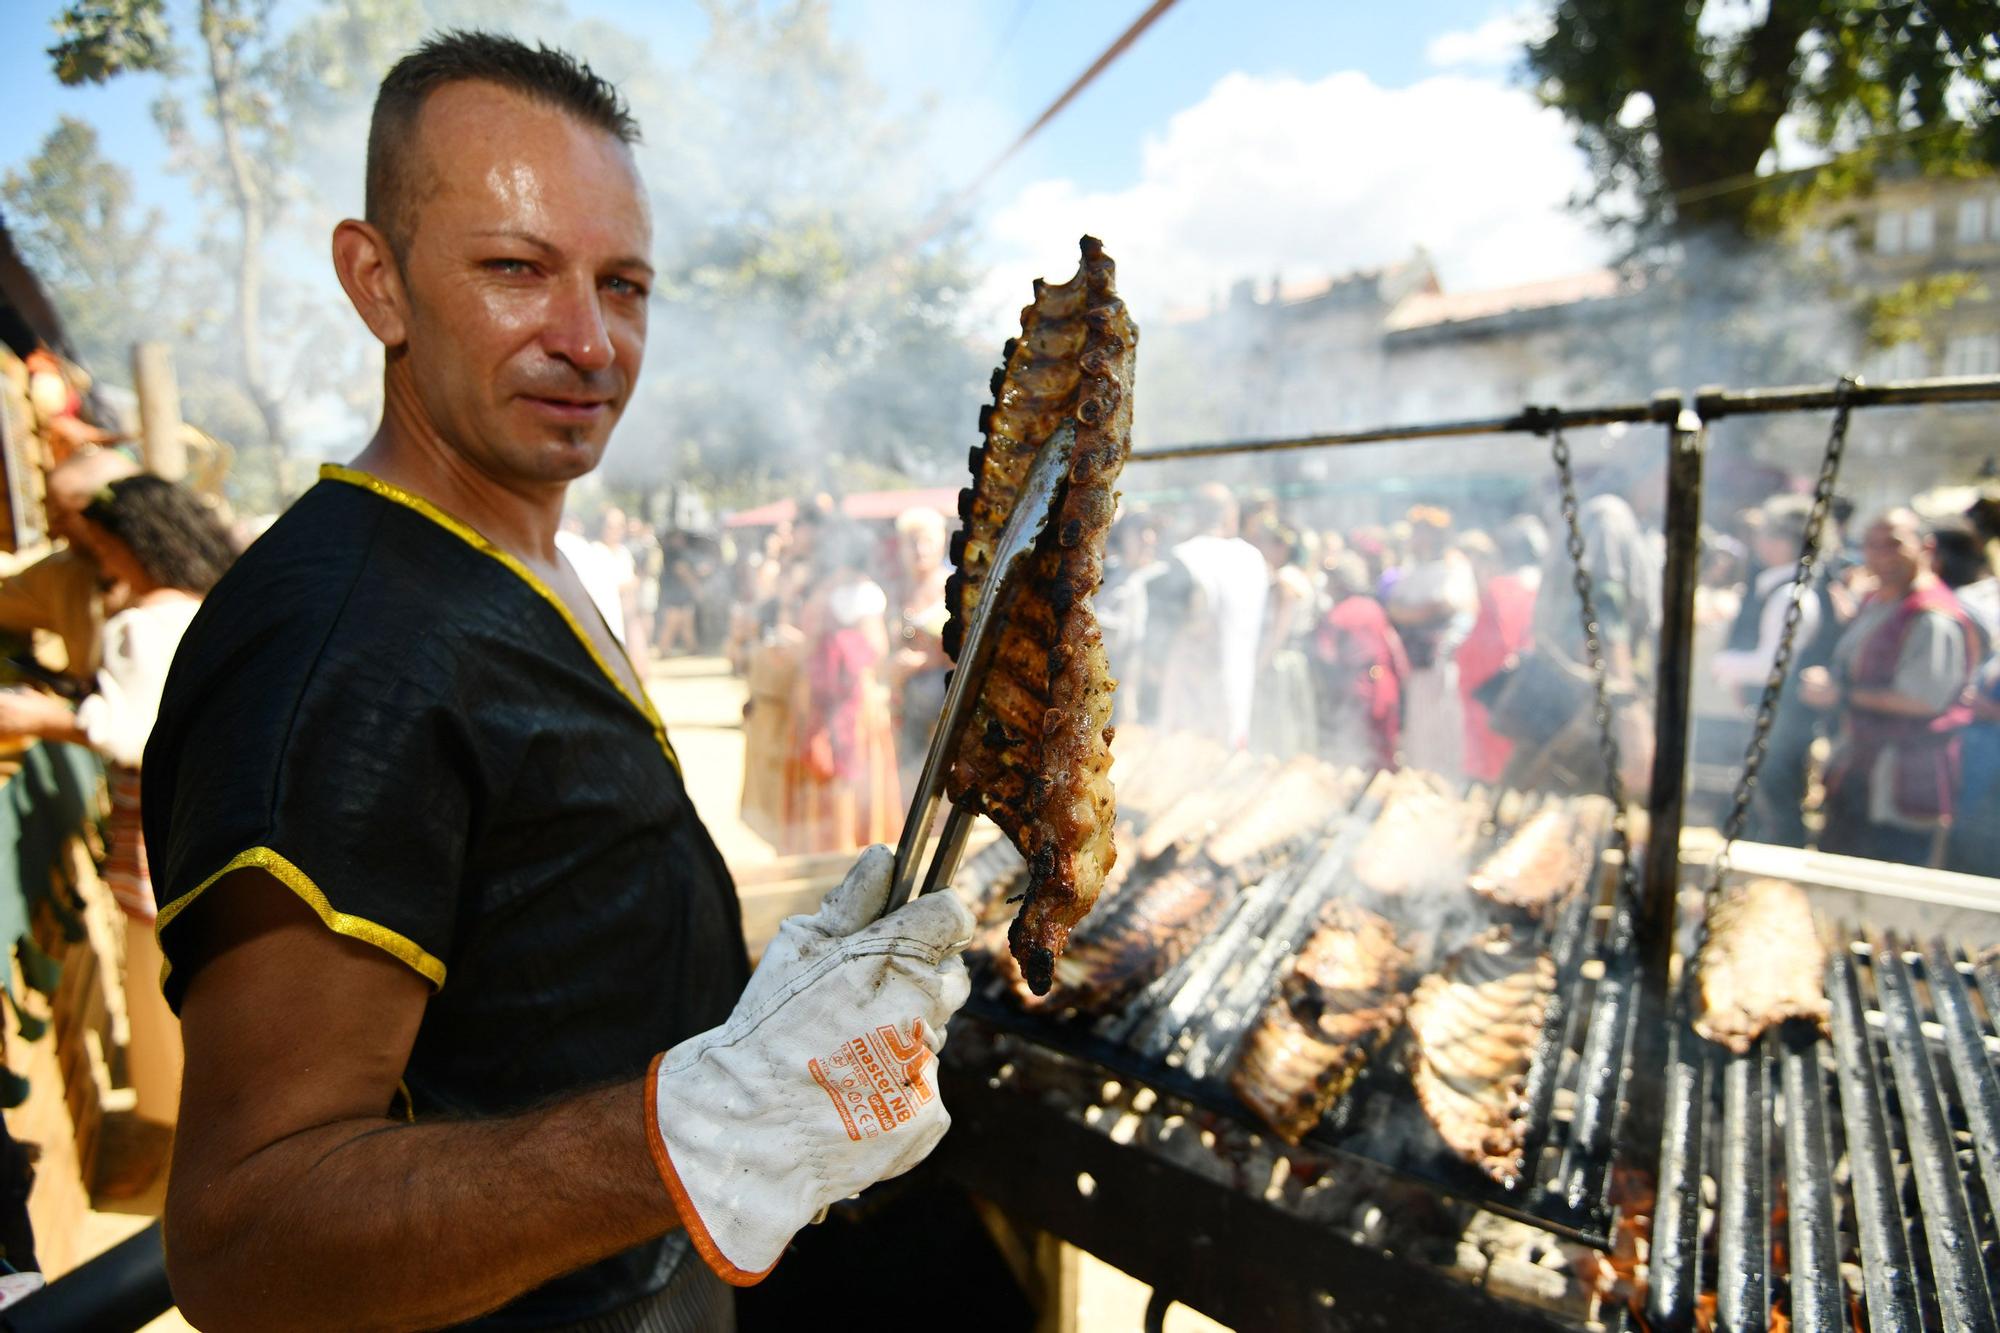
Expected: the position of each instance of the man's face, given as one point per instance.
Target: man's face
(527, 274)
(1426, 541)
(1893, 550)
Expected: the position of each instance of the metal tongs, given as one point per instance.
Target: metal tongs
(975, 658)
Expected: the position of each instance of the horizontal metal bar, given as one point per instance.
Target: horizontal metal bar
(1712, 404)
(1529, 421)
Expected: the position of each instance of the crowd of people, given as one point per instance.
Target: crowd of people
(1423, 641)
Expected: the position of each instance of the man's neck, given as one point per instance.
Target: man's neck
(408, 451)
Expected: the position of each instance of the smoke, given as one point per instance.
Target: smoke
(799, 338)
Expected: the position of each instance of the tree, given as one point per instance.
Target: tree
(1678, 104)
(76, 224)
(800, 339)
(244, 70)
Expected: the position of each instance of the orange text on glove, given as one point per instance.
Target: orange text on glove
(876, 1080)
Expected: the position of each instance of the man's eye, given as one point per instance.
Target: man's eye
(626, 287)
(509, 266)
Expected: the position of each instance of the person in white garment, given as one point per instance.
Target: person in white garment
(1433, 606)
(162, 549)
(1211, 603)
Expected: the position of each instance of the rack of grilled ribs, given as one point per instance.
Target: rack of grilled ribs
(1475, 1026)
(1173, 896)
(1037, 750)
(1421, 840)
(1337, 1005)
(1542, 862)
(1764, 963)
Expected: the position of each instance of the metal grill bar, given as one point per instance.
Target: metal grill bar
(1971, 1067)
(1714, 404)
(1664, 407)
(1743, 1284)
(1567, 953)
(1887, 1280)
(1603, 1063)
(1956, 1271)
(1818, 1304)
(1675, 1262)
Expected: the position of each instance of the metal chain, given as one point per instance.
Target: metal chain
(1781, 665)
(1593, 649)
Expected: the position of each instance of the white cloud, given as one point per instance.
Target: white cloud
(1272, 176)
(1494, 44)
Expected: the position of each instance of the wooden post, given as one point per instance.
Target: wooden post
(161, 447)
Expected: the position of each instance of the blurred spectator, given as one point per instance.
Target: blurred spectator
(1974, 845)
(1131, 562)
(1281, 714)
(165, 550)
(1957, 556)
(1896, 686)
(1207, 613)
(1548, 704)
(680, 590)
(841, 792)
(1508, 572)
(1359, 668)
(918, 667)
(58, 591)
(1778, 801)
(1433, 602)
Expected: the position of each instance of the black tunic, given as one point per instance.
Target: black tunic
(408, 729)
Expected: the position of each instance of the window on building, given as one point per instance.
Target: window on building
(1903, 361)
(1972, 222)
(1888, 232)
(1972, 354)
(1919, 230)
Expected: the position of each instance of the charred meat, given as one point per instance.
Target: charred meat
(1764, 963)
(1539, 865)
(1421, 841)
(1037, 753)
(1339, 1002)
(1475, 1025)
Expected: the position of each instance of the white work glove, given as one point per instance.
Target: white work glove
(822, 1082)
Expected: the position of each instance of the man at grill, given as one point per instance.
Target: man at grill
(471, 1035)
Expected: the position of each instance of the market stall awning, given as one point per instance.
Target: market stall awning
(863, 505)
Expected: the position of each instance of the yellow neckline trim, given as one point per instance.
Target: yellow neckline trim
(400, 947)
(472, 537)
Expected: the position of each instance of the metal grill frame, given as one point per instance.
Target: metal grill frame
(1650, 1134)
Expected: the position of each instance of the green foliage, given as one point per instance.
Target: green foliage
(1678, 104)
(73, 217)
(101, 38)
(800, 337)
(1907, 311)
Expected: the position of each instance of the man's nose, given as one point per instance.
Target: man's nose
(576, 330)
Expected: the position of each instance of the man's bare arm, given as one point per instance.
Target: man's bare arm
(297, 1202)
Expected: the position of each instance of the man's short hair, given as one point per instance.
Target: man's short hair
(543, 74)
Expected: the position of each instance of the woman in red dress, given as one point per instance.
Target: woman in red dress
(1509, 573)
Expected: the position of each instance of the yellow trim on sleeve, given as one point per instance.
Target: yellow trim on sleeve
(473, 538)
(400, 947)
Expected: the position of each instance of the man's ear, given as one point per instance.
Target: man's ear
(372, 279)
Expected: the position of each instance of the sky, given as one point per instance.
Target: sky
(1236, 139)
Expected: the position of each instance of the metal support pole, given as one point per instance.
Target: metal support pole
(1686, 450)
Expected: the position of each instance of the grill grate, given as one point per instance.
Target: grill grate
(1180, 1033)
(1880, 1144)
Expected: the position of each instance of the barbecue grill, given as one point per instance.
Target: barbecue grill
(1840, 1181)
